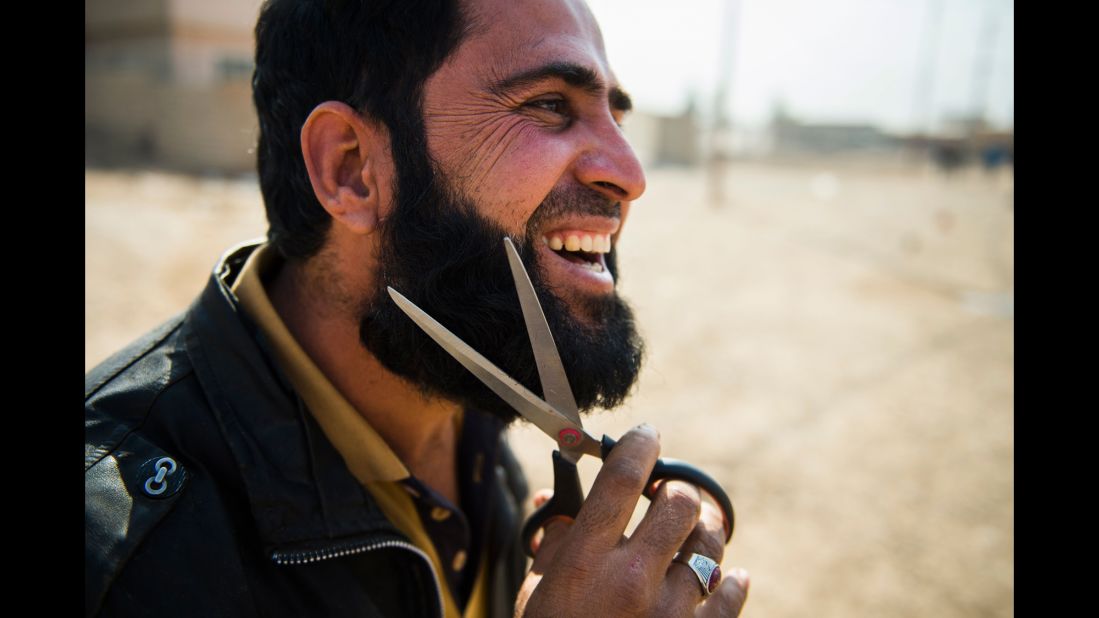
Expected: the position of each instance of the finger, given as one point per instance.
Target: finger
(708, 536)
(614, 493)
(542, 496)
(728, 600)
(671, 518)
(548, 541)
(682, 590)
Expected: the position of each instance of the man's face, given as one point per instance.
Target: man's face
(523, 139)
(527, 106)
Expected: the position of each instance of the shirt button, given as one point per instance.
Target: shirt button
(440, 514)
(459, 560)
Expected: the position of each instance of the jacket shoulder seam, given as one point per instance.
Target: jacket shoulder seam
(106, 449)
(135, 356)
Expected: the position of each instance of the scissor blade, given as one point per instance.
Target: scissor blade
(555, 384)
(534, 409)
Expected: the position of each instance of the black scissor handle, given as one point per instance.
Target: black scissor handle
(568, 496)
(566, 500)
(673, 469)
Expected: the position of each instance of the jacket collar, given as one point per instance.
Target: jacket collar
(300, 491)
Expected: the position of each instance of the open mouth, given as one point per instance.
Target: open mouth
(584, 250)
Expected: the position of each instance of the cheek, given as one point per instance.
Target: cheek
(505, 162)
(470, 143)
(520, 172)
(496, 151)
(527, 170)
(515, 185)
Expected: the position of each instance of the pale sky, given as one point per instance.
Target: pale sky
(828, 60)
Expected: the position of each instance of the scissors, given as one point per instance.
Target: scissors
(557, 415)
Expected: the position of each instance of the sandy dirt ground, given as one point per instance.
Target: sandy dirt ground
(835, 344)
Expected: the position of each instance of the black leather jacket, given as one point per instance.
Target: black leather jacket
(254, 512)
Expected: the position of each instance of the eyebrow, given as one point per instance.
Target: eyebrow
(575, 75)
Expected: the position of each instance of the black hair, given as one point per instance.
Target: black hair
(373, 55)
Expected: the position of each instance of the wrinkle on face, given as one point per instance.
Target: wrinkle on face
(496, 144)
(475, 168)
(483, 136)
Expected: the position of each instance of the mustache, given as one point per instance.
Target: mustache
(577, 200)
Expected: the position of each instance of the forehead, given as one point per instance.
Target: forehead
(511, 35)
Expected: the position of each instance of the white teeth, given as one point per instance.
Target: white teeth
(597, 243)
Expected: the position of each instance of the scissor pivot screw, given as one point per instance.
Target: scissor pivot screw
(568, 436)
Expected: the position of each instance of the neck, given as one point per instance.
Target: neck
(421, 431)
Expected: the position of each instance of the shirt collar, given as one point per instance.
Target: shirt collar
(365, 452)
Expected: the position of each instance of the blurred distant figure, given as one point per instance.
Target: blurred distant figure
(948, 157)
(994, 156)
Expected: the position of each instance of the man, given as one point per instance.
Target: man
(293, 444)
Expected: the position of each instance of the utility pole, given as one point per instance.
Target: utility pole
(720, 134)
(925, 80)
(984, 56)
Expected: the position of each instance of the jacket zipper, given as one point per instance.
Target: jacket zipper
(316, 555)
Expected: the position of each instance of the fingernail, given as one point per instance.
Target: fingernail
(741, 577)
(649, 429)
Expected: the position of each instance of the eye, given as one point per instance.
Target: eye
(556, 106)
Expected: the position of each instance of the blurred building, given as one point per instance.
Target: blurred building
(791, 136)
(665, 140)
(965, 140)
(168, 83)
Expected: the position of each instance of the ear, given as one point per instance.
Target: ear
(341, 150)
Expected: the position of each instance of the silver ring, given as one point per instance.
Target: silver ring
(708, 571)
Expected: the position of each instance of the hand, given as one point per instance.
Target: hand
(590, 568)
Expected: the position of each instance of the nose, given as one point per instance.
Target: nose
(609, 165)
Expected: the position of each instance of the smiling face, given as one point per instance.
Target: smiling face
(528, 109)
(531, 149)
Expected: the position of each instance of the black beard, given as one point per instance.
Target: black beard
(438, 251)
